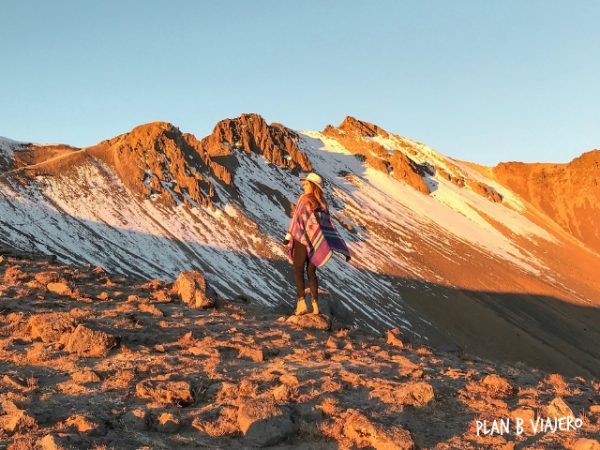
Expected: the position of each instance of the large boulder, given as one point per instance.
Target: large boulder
(191, 288)
(265, 423)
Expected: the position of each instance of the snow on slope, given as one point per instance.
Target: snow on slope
(407, 211)
(89, 215)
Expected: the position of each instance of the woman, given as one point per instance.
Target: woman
(311, 240)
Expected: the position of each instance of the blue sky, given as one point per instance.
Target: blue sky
(485, 81)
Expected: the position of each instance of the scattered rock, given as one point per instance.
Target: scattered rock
(90, 343)
(61, 287)
(85, 425)
(85, 376)
(314, 321)
(16, 382)
(51, 442)
(584, 444)
(136, 419)
(265, 423)
(14, 419)
(365, 433)
(332, 343)
(394, 337)
(50, 327)
(166, 422)
(289, 379)
(415, 394)
(524, 413)
(14, 275)
(150, 309)
(165, 391)
(497, 386)
(47, 277)
(191, 288)
(161, 296)
(556, 408)
(307, 413)
(255, 354)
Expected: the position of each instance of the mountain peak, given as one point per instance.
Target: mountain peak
(367, 129)
(250, 132)
(158, 161)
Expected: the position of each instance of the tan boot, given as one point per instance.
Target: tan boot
(301, 307)
(315, 306)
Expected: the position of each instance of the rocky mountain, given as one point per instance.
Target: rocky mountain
(568, 193)
(91, 359)
(472, 259)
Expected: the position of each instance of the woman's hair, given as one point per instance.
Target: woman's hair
(316, 197)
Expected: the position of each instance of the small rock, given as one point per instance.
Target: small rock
(136, 419)
(162, 296)
(524, 413)
(584, 444)
(332, 343)
(255, 354)
(103, 296)
(15, 420)
(365, 433)
(153, 284)
(150, 309)
(47, 277)
(50, 327)
(166, 422)
(61, 288)
(85, 425)
(556, 408)
(497, 386)
(311, 321)
(165, 391)
(191, 288)
(394, 338)
(90, 343)
(85, 376)
(308, 413)
(265, 423)
(415, 394)
(15, 381)
(50, 442)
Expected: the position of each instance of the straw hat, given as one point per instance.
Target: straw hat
(314, 178)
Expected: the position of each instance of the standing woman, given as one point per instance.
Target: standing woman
(311, 240)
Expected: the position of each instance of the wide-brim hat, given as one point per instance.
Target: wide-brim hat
(314, 178)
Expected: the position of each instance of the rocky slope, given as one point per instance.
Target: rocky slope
(441, 249)
(97, 360)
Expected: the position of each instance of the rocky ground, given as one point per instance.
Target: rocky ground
(95, 360)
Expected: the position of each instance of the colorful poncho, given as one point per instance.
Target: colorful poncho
(315, 229)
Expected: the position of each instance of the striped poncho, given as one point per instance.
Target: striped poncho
(315, 229)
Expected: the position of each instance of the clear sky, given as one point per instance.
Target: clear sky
(480, 80)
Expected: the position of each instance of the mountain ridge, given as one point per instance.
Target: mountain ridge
(427, 232)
